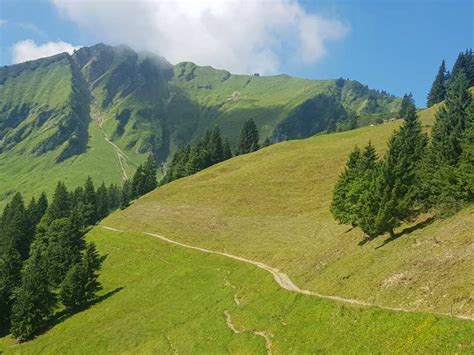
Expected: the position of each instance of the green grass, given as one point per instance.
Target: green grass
(169, 298)
(273, 206)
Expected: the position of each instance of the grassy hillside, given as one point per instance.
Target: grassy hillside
(273, 206)
(100, 111)
(163, 298)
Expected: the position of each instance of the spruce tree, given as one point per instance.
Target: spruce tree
(102, 202)
(227, 151)
(126, 195)
(92, 263)
(15, 228)
(90, 202)
(438, 89)
(138, 183)
(60, 206)
(407, 102)
(399, 183)
(72, 292)
(113, 197)
(464, 64)
(249, 138)
(149, 169)
(451, 121)
(61, 244)
(10, 279)
(216, 148)
(34, 300)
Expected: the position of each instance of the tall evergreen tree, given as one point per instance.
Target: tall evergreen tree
(60, 206)
(451, 120)
(465, 64)
(216, 148)
(138, 183)
(438, 89)
(149, 169)
(90, 202)
(15, 227)
(407, 102)
(10, 278)
(34, 300)
(399, 183)
(102, 202)
(61, 245)
(227, 151)
(113, 197)
(126, 194)
(249, 138)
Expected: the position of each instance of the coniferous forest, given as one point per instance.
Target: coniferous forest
(46, 266)
(417, 174)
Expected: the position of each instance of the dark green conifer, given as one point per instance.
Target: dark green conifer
(126, 195)
(227, 151)
(60, 206)
(102, 202)
(407, 102)
(34, 300)
(90, 202)
(438, 89)
(249, 138)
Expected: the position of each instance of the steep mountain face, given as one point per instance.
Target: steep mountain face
(100, 110)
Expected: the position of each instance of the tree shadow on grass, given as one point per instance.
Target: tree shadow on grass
(65, 314)
(408, 230)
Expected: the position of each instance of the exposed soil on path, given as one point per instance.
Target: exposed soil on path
(285, 282)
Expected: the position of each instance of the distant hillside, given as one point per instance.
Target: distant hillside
(273, 206)
(100, 110)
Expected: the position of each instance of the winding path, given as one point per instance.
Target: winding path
(285, 282)
(120, 154)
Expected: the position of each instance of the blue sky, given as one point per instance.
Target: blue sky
(392, 45)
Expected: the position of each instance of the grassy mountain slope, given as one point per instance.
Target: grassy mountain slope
(163, 298)
(100, 111)
(273, 206)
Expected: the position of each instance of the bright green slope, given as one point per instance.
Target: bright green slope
(273, 206)
(53, 110)
(169, 299)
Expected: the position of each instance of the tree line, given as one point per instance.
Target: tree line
(464, 63)
(417, 174)
(45, 262)
(210, 149)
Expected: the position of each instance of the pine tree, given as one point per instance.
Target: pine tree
(61, 245)
(466, 166)
(249, 138)
(352, 184)
(60, 206)
(227, 151)
(438, 89)
(138, 183)
(90, 202)
(407, 102)
(72, 292)
(102, 202)
(126, 195)
(451, 121)
(34, 300)
(149, 169)
(113, 197)
(10, 278)
(399, 183)
(216, 149)
(465, 64)
(15, 228)
(92, 263)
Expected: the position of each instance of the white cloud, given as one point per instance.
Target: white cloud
(3, 22)
(29, 50)
(243, 36)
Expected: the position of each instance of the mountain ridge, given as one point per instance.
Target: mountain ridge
(50, 109)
